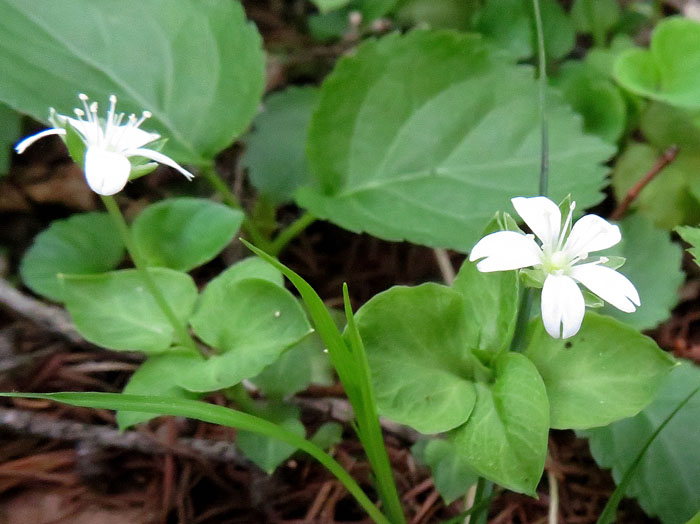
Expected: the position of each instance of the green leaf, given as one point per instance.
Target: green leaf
(251, 267)
(157, 376)
(695, 519)
(298, 367)
(666, 480)
(329, 434)
(437, 14)
(416, 343)
(115, 310)
(200, 67)
(692, 236)
(275, 153)
(668, 70)
(608, 371)
(458, 137)
(251, 321)
(590, 16)
(451, 475)
(665, 126)
(672, 186)
(10, 128)
(329, 5)
(509, 24)
(505, 439)
(657, 278)
(595, 97)
(266, 452)
(490, 306)
(183, 233)
(83, 244)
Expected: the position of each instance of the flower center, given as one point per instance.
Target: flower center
(556, 262)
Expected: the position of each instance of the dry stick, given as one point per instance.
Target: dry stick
(445, 265)
(31, 423)
(665, 159)
(53, 318)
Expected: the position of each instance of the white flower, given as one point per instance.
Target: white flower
(108, 144)
(563, 260)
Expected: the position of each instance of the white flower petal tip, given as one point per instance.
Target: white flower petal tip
(613, 287)
(109, 143)
(563, 306)
(22, 146)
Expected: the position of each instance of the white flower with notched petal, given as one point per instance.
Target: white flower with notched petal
(563, 260)
(108, 144)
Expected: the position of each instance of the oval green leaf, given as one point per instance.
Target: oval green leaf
(275, 153)
(84, 244)
(505, 439)
(251, 322)
(608, 371)
(418, 352)
(183, 233)
(115, 310)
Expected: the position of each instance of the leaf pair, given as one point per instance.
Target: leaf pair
(439, 364)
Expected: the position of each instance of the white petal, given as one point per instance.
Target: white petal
(591, 233)
(161, 158)
(129, 137)
(563, 306)
(608, 284)
(541, 215)
(506, 250)
(106, 172)
(22, 146)
(90, 132)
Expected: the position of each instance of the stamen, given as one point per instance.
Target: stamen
(144, 116)
(567, 223)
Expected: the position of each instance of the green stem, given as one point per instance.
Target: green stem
(240, 396)
(482, 499)
(522, 320)
(595, 27)
(230, 199)
(119, 221)
(542, 72)
(290, 233)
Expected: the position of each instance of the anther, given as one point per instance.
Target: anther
(83, 97)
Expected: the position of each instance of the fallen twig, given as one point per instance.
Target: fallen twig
(54, 319)
(32, 423)
(665, 159)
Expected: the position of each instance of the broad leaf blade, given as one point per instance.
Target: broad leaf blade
(251, 322)
(458, 137)
(608, 371)
(422, 367)
(115, 310)
(84, 244)
(667, 475)
(183, 233)
(505, 439)
(657, 278)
